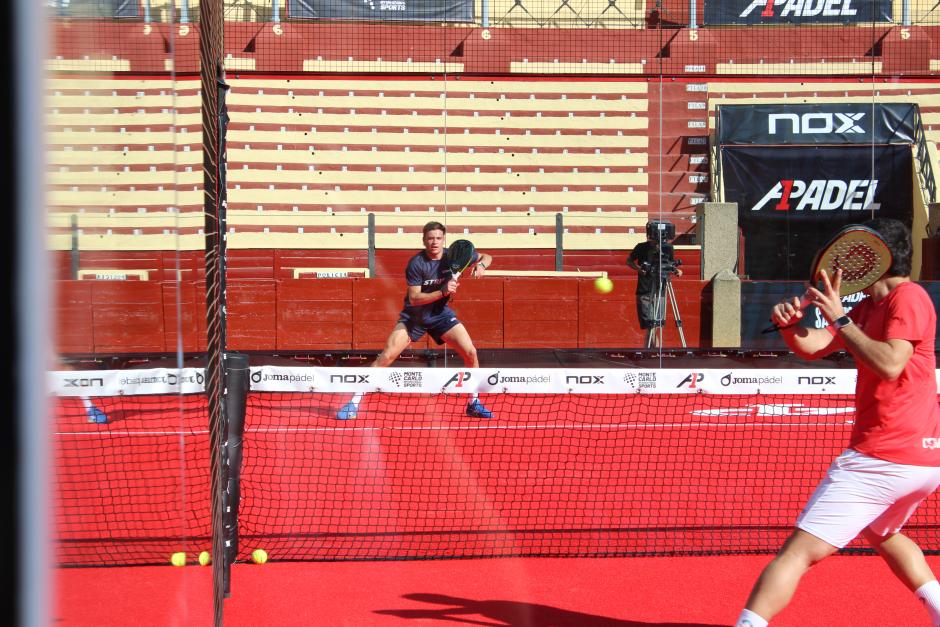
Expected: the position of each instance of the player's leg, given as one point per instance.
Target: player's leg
(458, 338)
(398, 340)
(778, 581)
(844, 503)
(903, 556)
(906, 560)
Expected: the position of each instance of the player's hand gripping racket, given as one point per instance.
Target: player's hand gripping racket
(460, 255)
(859, 252)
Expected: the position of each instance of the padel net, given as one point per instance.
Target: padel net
(574, 462)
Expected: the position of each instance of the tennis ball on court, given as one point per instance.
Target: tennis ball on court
(204, 558)
(603, 285)
(178, 559)
(259, 556)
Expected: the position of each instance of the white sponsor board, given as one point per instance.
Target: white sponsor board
(467, 380)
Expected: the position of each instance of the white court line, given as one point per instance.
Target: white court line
(673, 425)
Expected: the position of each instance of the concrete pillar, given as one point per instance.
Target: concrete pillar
(726, 310)
(717, 234)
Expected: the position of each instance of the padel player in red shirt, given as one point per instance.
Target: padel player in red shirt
(892, 462)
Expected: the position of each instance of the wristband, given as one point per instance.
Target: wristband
(841, 322)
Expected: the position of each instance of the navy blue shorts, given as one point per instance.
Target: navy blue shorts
(434, 325)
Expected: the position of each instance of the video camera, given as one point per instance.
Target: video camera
(666, 267)
(660, 230)
(660, 233)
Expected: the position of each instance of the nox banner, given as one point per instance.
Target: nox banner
(792, 199)
(719, 12)
(383, 10)
(830, 123)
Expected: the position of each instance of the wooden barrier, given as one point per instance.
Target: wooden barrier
(121, 317)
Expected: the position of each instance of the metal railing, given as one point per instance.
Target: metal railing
(925, 172)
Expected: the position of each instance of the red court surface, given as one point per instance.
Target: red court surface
(535, 592)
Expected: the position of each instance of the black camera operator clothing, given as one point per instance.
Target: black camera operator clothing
(656, 266)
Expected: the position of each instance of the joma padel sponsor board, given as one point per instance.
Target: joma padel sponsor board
(825, 123)
(792, 199)
(719, 12)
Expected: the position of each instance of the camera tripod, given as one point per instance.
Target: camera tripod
(664, 294)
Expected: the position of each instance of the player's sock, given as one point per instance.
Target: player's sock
(929, 594)
(750, 619)
(351, 409)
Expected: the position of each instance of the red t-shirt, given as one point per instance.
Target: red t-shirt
(898, 421)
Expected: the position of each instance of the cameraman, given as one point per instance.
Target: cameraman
(654, 260)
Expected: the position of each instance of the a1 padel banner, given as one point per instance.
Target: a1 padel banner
(718, 12)
(792, 199)
(826, 123)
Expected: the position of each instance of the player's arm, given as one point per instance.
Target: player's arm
(807, 343)
(417, 298)
(482, 263)
(887, 359)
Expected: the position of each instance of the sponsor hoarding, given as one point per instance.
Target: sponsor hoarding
(828, 123)
(720, 12)
(383, 10)
(792, 199)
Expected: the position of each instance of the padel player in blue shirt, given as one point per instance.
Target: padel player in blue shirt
(430, 286)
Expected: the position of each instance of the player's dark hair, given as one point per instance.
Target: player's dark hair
(898, 238)
(433, 226)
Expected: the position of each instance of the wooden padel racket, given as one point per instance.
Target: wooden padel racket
(859, 252)
(460, 255)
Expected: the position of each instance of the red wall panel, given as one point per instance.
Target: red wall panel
(251, 313)
(608, 320)
(314, 314)
(540, 313)
(74, 332)
(118, 317)
(127, 317)
(184, 306)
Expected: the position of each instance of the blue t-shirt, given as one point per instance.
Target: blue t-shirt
(432, 275)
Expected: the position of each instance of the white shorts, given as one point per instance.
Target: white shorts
(861, 491)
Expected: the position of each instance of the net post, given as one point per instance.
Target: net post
(214, 122)
(237, 377)
(559, 242)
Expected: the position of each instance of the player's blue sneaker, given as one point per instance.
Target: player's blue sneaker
(347, 411)
(96, 415)
(475, 409)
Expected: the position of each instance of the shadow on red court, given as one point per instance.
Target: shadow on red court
(512, 614)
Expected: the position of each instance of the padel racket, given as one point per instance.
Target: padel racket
(460, 255)
(859, 252)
